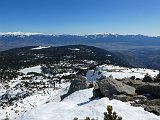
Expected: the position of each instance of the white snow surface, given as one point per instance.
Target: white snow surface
(119, 72)
(40, 47)
(76, 49)
(46, 104)
(32, 102)
(79, 105)
(31, 69)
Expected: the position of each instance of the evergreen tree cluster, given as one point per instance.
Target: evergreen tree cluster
(109, 115)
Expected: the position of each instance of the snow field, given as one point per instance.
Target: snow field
(78, 105)
(119, 72)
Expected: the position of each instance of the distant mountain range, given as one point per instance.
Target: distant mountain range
(131, 47)
(106, 41)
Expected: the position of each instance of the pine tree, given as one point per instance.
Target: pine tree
(75, 118)
(111, 115)
(87, 118)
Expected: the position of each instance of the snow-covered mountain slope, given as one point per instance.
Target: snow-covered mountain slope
(44, 102)
(17, 110)
(79, 105)
(119, 72)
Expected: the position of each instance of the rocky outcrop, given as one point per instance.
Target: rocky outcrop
(151, 88)
(153, 109)
(109, 87)
(79, 83)
(142, 94)
(148, 78)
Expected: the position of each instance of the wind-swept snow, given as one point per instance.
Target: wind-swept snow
(79, 105)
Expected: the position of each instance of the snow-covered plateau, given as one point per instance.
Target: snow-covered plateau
(119, 72)
(46, 104)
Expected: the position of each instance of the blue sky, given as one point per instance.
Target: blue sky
(81, 16)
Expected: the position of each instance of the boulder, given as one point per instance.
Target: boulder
(110, 87)
(148, 78)
(153, 109)
(79, 83)
(151, 88)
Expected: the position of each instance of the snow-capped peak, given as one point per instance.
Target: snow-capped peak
(19, 33)
(95, 35)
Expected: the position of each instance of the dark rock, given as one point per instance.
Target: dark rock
(128, 81)
(110, 87)
(135, 104)
(153, 109)
(139, 97)
(79, 83)
(133, 83)
(138, 79)
(151, 88)
(140, 101)
(90, 84)
(155, 102)
(122, 98)
(148, 78)
(132, 77)
(157, 79)
(63, 96)
(96, 94)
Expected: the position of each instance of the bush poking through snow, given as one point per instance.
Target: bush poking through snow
(111, 115)
(75, 118)
(87, 118)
